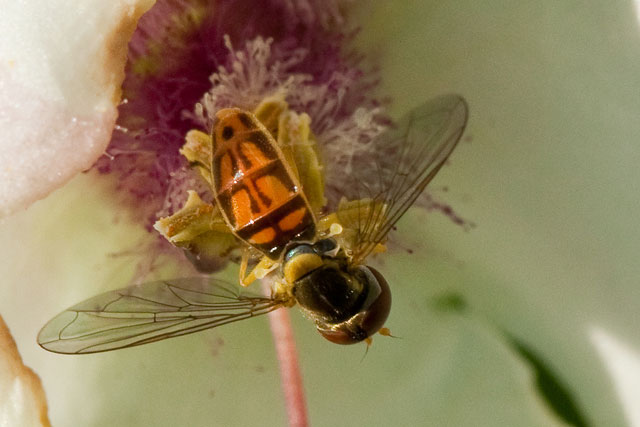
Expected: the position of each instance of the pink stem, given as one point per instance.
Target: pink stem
(290, 375)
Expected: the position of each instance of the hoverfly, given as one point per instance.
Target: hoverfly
(319, 261)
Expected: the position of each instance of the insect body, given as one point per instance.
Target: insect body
(257, 193)
(321, 262)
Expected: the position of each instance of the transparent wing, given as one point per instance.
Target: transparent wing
(150, 312)
(399, 165)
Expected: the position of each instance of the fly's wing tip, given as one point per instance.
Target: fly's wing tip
(50, 336)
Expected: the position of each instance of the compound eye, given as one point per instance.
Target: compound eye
(370, 319)
(343, 336)
(374, 316)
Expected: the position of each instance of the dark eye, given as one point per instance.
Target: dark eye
(227, 132)
(370, 318)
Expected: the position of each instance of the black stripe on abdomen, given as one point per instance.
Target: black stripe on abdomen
(303, 231)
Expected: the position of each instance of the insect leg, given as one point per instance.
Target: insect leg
(244, 262)
(265, 266)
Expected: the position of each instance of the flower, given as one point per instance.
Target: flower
(544, 285)
(23, 399)
(184, 67)
(57, 120)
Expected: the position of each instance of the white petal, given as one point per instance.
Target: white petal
(22, 400)
(623, 364)
(61, 67)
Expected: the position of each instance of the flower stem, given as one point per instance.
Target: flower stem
(290, 375)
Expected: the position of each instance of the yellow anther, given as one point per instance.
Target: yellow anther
(335, 229)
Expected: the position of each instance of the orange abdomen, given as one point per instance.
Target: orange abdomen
(255, 189)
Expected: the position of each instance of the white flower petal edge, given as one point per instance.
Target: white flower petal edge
(61, 68)
(22, 400)
(623, 363)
